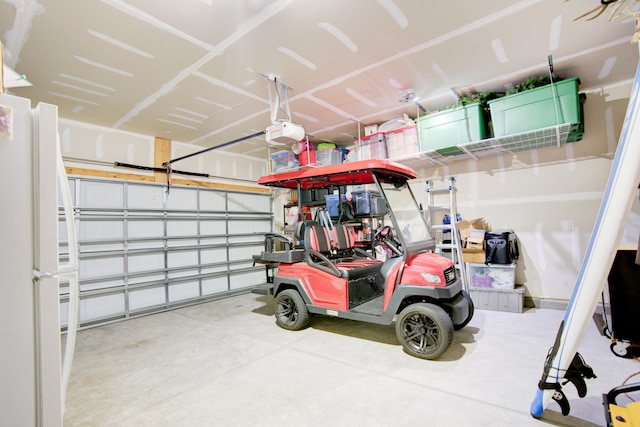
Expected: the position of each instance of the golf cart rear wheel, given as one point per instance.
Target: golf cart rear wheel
(425, 330)
(291, 311)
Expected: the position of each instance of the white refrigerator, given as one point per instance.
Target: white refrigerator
(31, 377)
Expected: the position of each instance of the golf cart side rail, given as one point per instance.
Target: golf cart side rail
(360, 172)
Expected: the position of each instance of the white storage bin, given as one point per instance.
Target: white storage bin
(283, 160)
(328, 156)
(371, 147)
(509, 300)
(402, 142)
(491, 276)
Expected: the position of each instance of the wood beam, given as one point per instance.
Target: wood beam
(161, 154)
(176, 181)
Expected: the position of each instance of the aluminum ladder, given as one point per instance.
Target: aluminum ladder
(435, 214)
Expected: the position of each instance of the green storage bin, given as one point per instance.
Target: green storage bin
(577, 133)
(445, 130)
(536, 109)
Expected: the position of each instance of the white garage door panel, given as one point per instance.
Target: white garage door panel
(144, 251)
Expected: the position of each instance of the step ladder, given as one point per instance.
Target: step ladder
(436, 210)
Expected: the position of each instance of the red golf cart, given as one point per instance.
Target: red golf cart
(328, 271)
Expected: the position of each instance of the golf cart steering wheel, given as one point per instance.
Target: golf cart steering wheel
(384, 236)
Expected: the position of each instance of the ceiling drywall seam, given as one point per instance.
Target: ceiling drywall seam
(297, 57)
(243, 29)
(498, 51)
(171, 122)
(554, 33)
(17, 36)
(103, 66)
(329, 107)
(395, 12)
(87, 82)
(306, 117)
(361, 98)
(606, 68)
(164, 89)
(73, 98)
(145, 17)
(229, 125)
(193, 113)
(339, 35)
(217, 104)
(78, 88)
(121, 45)
(217, 82)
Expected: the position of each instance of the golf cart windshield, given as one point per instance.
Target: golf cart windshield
(410, 224)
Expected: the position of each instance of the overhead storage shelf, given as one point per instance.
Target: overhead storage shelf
(553, 136)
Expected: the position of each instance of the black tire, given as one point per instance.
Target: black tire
(470, 316)
(425, 330)
(291, 311)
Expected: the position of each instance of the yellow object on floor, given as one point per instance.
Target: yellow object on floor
(617, 416)
(628, 416)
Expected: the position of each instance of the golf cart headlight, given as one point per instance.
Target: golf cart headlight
(433, 278)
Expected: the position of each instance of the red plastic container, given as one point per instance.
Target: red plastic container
(307, 157)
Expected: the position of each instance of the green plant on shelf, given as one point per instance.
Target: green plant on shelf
(473, 98)
(532, 83)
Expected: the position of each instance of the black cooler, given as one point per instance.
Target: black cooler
(501, 247)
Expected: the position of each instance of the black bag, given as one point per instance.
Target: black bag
(501, 247)
(346, 210)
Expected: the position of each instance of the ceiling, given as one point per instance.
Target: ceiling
(192, 71)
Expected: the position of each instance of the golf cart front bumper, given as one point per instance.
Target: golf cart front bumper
(459, 308)
(451, 298)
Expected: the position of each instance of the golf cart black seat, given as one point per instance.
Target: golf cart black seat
(318, 254)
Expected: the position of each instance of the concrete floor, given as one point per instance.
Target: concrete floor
(226, 363)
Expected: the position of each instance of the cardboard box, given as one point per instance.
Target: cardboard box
(476, 239)
(466, 226)
(473, 245)
(473, 255)
(370, 130)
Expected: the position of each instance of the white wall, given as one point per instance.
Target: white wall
(549, 197)
(218, 163)
(98, 147)
(99, 144)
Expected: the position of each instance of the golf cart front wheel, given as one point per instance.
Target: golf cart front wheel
(291, 311)
(466, 321)
(425, 330)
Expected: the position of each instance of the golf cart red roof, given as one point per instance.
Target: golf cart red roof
(352, 173)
